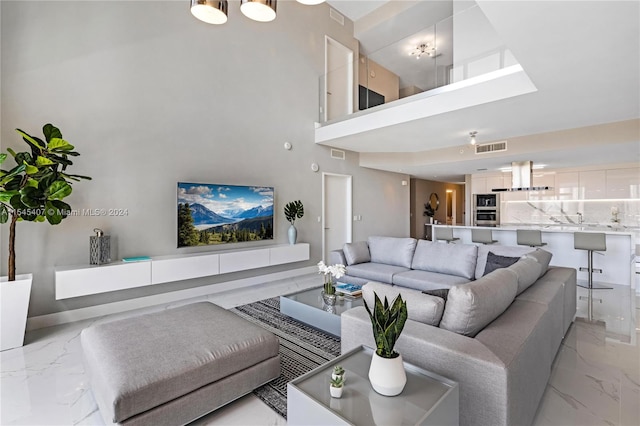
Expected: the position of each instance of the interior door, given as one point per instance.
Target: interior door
(338, 80)
(337, 210)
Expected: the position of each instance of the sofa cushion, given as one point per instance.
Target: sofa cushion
(375, 271)
(420, 307)
(543, 257)
(471, 307)
(451, 259)
(392, 250)
(443, 293)
(495, 261)
(424, 280)
(527, 270)
(511, 251)
(357, 252)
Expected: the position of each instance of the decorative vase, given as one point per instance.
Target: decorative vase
(387, 375)
(329, 299)
(335, 392)
(293, 234)
(14, 296)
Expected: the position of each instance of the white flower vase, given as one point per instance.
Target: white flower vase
(387, 375)
(293, 234)
(14, 298)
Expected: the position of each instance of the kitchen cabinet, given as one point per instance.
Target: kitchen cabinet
(593, 185)
(623, 183)
(478, 185)
(567, 186)
(495, 182)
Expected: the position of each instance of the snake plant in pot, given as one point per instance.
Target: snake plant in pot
(31, 191)
(386, 373)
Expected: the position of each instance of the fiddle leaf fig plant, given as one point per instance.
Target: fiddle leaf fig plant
(34, 188)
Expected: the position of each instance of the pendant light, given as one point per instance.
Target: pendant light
(210, 11)
(259, 10)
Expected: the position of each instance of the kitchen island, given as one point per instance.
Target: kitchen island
(617, 263)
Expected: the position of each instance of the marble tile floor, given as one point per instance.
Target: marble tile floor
(595, 378)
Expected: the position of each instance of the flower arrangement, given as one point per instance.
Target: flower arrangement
(614, 214)
(336, 271)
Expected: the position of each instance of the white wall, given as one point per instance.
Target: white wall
(151, 96)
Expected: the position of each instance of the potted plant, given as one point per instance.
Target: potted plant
(33, 191)
(338, 371)
(336, 387)
(330, 272)
(292, 211)
(386, 373)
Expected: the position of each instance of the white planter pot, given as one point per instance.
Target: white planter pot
(336, 392)
(387, 375)
(14, 304)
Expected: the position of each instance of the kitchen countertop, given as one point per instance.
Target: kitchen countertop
(608, 229)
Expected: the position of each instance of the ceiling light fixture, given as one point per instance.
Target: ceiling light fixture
(310, 2)
(210, 11)
(424, 49)
(472, 137)
(259, 10)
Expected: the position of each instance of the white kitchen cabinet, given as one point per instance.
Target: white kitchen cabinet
(495, 182)
(623, 183)
(567, 186)
(593, 185)
(478, 185)
(541, 178)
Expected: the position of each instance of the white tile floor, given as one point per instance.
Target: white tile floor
(595, 378)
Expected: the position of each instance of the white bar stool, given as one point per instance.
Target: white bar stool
(444, 234)
(529, 237)
(484, 236)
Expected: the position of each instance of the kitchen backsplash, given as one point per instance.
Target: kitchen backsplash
(594, 212)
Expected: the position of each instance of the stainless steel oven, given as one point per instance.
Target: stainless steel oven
(486, 209)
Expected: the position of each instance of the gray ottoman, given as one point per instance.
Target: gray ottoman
(174, 366)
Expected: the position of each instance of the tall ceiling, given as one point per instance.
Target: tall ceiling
(583, 58)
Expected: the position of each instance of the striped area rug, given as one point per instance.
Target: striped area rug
(302, 348)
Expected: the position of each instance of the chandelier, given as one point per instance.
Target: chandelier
(216, 11)
(424, 49)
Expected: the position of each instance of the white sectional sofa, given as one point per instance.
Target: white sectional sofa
(497, 333)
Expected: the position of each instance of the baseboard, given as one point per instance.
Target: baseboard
(64, 317)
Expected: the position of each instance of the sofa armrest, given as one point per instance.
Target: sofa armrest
(337, 256)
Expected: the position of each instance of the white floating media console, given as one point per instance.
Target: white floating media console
(75, 281)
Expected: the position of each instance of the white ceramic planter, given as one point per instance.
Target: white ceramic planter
(336, 392)
(14, 304)
(387, 375)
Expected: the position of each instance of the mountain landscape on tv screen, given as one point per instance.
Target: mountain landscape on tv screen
(240, 220)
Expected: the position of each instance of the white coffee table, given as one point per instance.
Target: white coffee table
(427, 399)
(307, 306)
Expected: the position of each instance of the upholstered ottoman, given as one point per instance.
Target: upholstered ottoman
(174, 366)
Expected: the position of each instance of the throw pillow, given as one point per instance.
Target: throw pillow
(357, 252)
(439, 292)
(495, 261)
(420, 307)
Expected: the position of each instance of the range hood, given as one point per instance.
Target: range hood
(522, 178)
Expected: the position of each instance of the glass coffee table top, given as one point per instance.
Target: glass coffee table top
(313, 298)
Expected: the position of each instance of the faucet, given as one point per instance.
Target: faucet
(579, 218)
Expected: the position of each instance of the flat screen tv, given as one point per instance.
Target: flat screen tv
(219, 214)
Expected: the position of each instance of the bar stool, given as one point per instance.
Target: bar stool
(484, 236)
(592, 242)
(529, 237)
(445, 234)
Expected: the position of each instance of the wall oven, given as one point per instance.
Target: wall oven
(486, 209)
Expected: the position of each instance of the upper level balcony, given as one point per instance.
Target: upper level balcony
(376, 99)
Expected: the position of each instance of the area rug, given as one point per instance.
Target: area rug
(302, 348)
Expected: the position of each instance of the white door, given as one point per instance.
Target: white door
(338, 69)
(337, 208)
